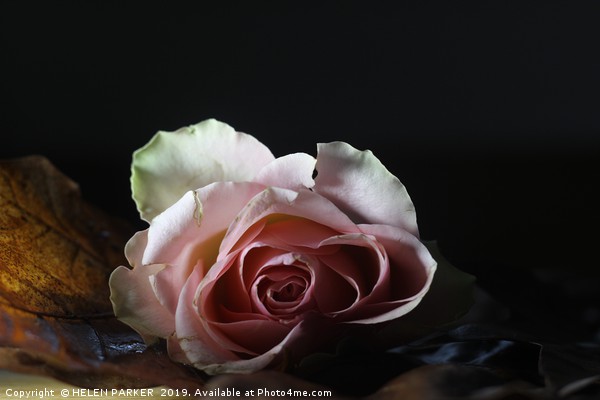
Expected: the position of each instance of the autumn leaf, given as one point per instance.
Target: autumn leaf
(56, 254)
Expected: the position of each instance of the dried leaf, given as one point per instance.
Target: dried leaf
(56, 254)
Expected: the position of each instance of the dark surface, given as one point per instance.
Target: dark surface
(489, 114)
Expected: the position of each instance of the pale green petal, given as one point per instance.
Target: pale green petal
(172, 163)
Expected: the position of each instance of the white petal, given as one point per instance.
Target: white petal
(293, 171)
(358, 183)
(135, 303)
(134, 249)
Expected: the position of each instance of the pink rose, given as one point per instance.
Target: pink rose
(248, 258)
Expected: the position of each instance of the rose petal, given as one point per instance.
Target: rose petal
(172, 163)
(252, 260)
(252, 337)
(257, 363)
(203, 347)
(135, 247)
(358, 183)
(345, 295)
(450, 287)
(201, 216)
(135, 303)
(363, 265)
(293, 171)
(282, 203)
(297, 233)
(276, 273)
(168, 283)
(175, 351)
(411, 272)
(295, 287)
(191, 335)
(187, 235)
(411, 263)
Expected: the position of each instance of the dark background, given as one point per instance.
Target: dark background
(488, 113)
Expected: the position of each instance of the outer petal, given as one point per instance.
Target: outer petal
(256, 363)
(367, 271)
(194, 341)
(411, 272)
(451, 288)
(293, 171)
(358, 183)
(197, 217)
(187, 235)
(174, 162)
(135, 247)
(135, 303)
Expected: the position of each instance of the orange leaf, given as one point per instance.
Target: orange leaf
(56, 254)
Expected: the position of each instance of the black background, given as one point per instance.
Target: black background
(489, 113)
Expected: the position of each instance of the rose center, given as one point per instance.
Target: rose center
(288, 293)
(283, 292)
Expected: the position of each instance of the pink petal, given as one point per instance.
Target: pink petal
(188, 234)
(276, 353)
(216, 295)
(363, 265)
(329, 301)
(293, 171)
(205, 345)
(253, 259)
(281, 203)
(175, 351)
(168, 283)
(252, 337)
(362, 187)
(411, 271)
(198, 219)
(296, 233)
(199, 347)
(411, 264)
(278, 274)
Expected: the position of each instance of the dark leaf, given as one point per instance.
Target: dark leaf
(565, 365)
(516, 359)
(451, 382)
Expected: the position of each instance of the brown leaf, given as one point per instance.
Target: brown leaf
(56, 254)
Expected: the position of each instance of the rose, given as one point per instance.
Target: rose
(248, 258)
